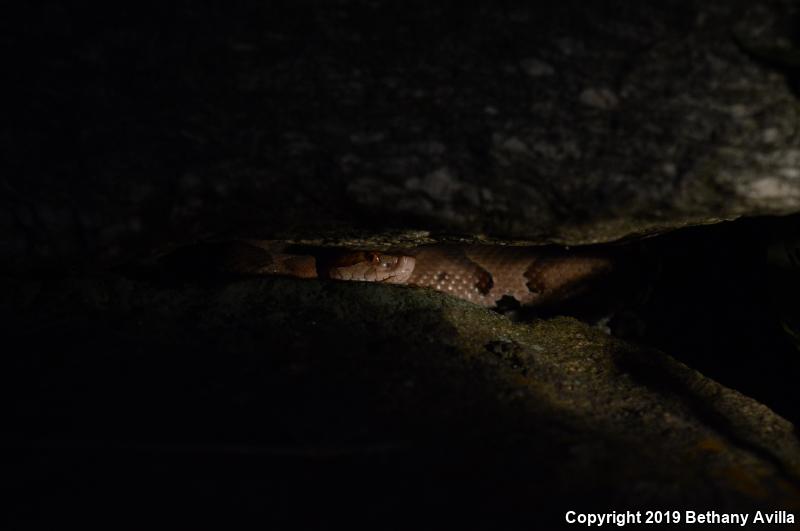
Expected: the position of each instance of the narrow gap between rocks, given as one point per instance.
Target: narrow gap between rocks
(722, 299)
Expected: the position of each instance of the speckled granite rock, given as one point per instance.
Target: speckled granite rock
(373, 404)
(569, 122)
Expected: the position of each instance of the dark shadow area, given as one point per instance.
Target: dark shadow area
(783, 57)
(714, 301)
(154, 399)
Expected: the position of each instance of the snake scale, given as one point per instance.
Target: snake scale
(482, 274)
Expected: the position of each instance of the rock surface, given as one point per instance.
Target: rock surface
(568, 122)
(376, 405)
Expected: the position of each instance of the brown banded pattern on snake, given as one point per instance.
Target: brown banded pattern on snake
(482, 274)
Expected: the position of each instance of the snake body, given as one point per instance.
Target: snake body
(482, 274)
(487, 274)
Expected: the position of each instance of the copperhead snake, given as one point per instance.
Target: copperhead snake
(482, 274)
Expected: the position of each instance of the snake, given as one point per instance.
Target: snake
(487, 275)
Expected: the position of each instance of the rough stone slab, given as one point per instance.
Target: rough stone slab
(571, 122)
(391, 398)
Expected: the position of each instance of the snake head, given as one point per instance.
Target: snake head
(370, 266)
